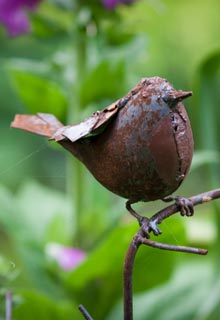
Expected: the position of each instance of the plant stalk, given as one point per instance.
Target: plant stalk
(75, 173)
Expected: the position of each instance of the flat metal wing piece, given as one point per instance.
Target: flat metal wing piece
(47, 124)
(44, 124)
(88, 126)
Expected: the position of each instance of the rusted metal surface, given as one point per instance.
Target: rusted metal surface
(139, 147)
(42, 123)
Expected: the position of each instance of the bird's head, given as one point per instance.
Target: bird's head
(162, 91)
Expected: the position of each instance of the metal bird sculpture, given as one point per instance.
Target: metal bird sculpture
(140, 147)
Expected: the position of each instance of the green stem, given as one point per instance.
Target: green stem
(210, 141)
(74, 167)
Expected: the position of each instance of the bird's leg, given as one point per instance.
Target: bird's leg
(147, 225)
(185, 205)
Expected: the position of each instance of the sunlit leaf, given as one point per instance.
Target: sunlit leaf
(104, 82)
(38, 93)
(49, 206)
(34, 305)
(183, 297)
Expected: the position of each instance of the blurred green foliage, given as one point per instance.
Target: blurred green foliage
(78, 59)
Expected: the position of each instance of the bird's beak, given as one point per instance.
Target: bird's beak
(180, 95)
(175, 96)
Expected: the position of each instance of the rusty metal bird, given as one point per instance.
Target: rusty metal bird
(139, 147)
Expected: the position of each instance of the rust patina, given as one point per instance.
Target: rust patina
(139, 147)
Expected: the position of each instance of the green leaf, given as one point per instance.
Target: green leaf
(106, 81)
(28, 221)
(99, 278)
(207, 112)
(115, 38)
(38, 93)
(49, 205)
(183, 297)
(26, 224)
(207, 100)
(52, 20)
(37, 306)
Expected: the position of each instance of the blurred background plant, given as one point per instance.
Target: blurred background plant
(63, 236)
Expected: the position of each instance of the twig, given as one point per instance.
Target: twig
(8, 306)
(171, 247)
(84, 312)
(140, 238)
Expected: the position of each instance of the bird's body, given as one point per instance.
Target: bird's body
(140, 147)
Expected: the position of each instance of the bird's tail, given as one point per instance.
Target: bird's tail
(44, 124)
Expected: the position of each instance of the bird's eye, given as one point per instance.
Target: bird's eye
(164, 98)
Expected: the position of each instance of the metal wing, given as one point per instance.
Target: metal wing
(90, 125)
(48, 125)
(44, 124)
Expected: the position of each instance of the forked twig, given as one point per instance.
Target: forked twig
(139, 239)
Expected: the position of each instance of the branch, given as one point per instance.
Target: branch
(84, 312)
(198, 199)
(139, 239)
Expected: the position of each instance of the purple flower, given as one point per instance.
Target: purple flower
(112, 4)
(68, 258)
(14, 17)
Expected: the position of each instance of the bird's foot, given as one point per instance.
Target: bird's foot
(147, 225)
(185, 205)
